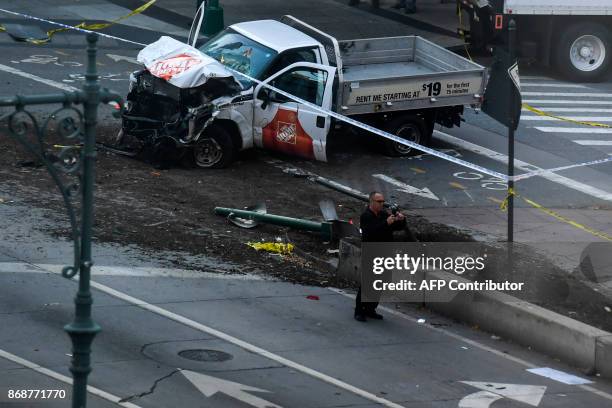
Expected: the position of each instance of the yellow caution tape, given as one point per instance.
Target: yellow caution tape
(275, 247)
(542, 113)
(98, 26)
(504, 206)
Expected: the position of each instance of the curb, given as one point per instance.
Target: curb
(574, 342)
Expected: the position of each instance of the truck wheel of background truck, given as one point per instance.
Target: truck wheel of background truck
(409, 127)
(215, 149)
(583, 52)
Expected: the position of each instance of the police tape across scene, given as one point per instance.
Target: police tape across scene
(348, 120)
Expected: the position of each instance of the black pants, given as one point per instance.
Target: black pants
(364, 308)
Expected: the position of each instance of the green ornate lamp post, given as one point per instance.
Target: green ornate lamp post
(76, 158)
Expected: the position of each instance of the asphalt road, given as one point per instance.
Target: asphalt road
(284, 349)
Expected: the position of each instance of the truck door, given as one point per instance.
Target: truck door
(290, 127)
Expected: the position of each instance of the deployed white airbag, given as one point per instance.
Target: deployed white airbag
(180, 64)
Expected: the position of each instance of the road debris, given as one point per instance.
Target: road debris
(273, 247)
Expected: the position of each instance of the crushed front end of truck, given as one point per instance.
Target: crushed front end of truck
(173, 100)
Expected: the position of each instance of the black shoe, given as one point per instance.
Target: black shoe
(396, 6)
(410, 10)
(374, 315)
(360, 317)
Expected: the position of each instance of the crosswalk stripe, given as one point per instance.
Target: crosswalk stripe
(558, 129)
(570, 94)
(577, 118)
(594, 142)
(576, 110)
(549, 85)
(536, 102)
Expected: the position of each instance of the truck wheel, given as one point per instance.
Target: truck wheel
(215, 150)
(584, 52)
(411, 128)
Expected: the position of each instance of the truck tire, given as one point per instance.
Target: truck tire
(584, 52)
(410, 127)
(215, 149)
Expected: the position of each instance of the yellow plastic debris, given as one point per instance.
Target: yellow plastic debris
(274, 247)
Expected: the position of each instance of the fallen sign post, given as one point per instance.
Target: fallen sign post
(324, 228)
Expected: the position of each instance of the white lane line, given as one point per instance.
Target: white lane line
(569, 94)
(577, 118)
(559, 129)
(60, 377)
(48, 82)
(471, 342)
(101, 270)
(535, 78)
(549, 85)
(576, 110)
(537, 102)
(593, 142)
(519, 164)
(243, 344)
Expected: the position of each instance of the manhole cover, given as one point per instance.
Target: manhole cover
(205, 355)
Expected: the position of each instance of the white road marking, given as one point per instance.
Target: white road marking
(519, 164)
(60, 377)
(576, 110)
(578, 118)
(559, 376)
(45, 81)
(549, 85)
(558, 129)
(569, 94)
(537, 102)
(243, 344)
(480, 399)
(145, 271)
(406, 188)
(527, 394)
(535, 78)
(117, 58)
(470, 342)
(594, 142)
(209, 386)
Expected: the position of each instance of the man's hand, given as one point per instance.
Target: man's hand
(390, 219)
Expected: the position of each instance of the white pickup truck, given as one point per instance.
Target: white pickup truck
(571, 36)
(403, 85)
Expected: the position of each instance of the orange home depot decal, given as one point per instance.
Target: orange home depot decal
(167, 68)
(285, 134)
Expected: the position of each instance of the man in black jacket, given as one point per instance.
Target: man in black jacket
(377, 225)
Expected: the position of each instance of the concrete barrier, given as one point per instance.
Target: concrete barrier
(574, 342)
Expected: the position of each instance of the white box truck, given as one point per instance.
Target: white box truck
(571, 36)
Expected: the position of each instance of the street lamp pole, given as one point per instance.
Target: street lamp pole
(512, 125)
(83, 329)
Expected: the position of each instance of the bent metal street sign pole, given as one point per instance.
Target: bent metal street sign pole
(72, 169)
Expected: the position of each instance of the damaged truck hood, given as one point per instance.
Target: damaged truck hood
(184, 66)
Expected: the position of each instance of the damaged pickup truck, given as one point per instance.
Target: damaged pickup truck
(186, 101)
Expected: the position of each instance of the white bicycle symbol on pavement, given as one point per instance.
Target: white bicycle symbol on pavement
(492, 183)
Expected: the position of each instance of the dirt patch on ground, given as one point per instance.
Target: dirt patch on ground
(171, 209)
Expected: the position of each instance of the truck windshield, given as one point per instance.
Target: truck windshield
(240, 53)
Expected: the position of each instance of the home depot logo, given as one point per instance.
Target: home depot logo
(286, 133)
(167, 68)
